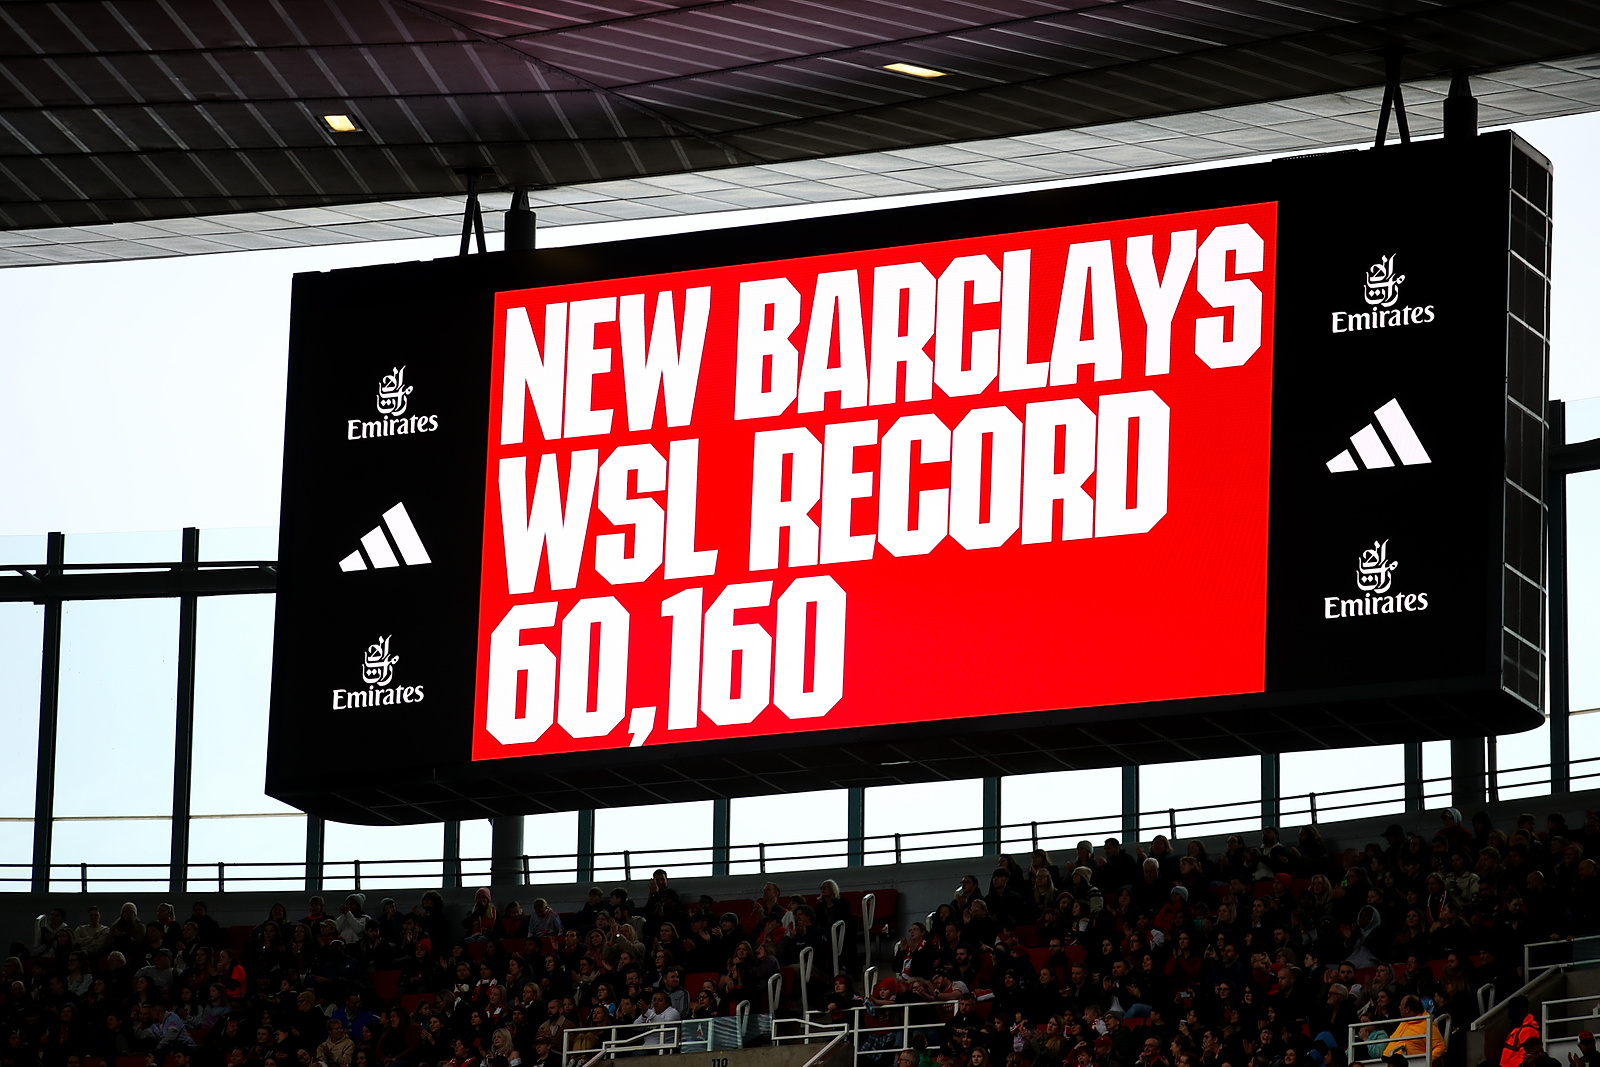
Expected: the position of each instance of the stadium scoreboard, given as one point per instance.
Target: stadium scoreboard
(1241, 460)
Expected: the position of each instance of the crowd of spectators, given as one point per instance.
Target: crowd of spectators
(393, 987)
(1263, 956)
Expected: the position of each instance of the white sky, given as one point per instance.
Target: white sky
(150, 396)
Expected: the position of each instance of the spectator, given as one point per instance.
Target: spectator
(352, 921)
(1412, 1037)
(543, 921)
(337, 1049)
(93, 938)
(661, 1012)
(1524, 1026)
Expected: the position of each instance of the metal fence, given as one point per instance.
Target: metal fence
(767, 857)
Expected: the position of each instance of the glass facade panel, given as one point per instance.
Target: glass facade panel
(21, 642)
(629, 843)
(933, 821)
(114, 739)
(1345, 782)
(122, 854)
(23, 548)
(1068, 807)
(1228, 789)
(1524, 763)
(254, 852)
(383, 857)
(232, 687)
(233, 543)
(551, 839)
(149, 546)
(802, 822)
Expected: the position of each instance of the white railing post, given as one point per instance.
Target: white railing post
(869, 912)
(774, 992)
(836, 940)
(808, 957)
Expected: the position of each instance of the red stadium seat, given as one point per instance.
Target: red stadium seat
(514, 946)
(410, 1001)
(386, 984)
(1263, 889)
(1077, 953)
(744, 909)
(238, 938)
(1028, 936)
(549, 946)
(131, 1061)
(693, 982)
(1437, 967)
(475, 949)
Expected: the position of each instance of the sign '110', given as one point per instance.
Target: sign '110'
(730, 671)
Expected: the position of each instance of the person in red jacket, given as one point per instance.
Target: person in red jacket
(1523, 1026)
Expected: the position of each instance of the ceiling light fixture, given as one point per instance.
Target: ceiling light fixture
(914, 70)
(341, 123)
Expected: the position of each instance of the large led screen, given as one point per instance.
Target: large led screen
(1004, 480)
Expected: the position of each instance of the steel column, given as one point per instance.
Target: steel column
(1271, 789)
(316, 842)
(585, 864)
(991, 816)
(1556, 580)
(856, 827)
(183, 733)
(1466, 773)
(452, 854)
(1415, 788)
(505, 850)
(1130, 806)
(721, 821)
(44, 783)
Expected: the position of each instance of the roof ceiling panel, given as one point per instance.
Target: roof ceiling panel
(148, 109)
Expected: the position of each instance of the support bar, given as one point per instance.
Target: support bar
(183, 734)
(44, 797)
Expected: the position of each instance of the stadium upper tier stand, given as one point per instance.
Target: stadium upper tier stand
(1273, 953)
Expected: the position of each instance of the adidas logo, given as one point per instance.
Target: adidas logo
(1371, 448)
(377, 548)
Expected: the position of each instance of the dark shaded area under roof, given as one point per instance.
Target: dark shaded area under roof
(146, 109)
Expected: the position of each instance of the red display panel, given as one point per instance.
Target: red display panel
(968, 478)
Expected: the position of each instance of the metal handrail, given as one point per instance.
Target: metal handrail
(1530, 972)
(904, 846)
(1587, 1017)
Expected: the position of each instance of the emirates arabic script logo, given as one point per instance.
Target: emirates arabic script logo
(1375, 570)
(394, 393)
(378, 666)
(1383, 284)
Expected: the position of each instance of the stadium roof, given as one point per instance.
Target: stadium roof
(134, 128)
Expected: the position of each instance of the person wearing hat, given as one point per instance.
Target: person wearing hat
(1586, 1055)
(544, 1054)
(390, 921)
(1523, 1026)
(1174, 914)
(1417, 1034)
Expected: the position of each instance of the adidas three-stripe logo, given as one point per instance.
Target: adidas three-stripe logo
(377, 548)
(1371, 449)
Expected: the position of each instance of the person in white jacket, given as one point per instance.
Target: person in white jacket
(352, 922)
(660, 1011)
